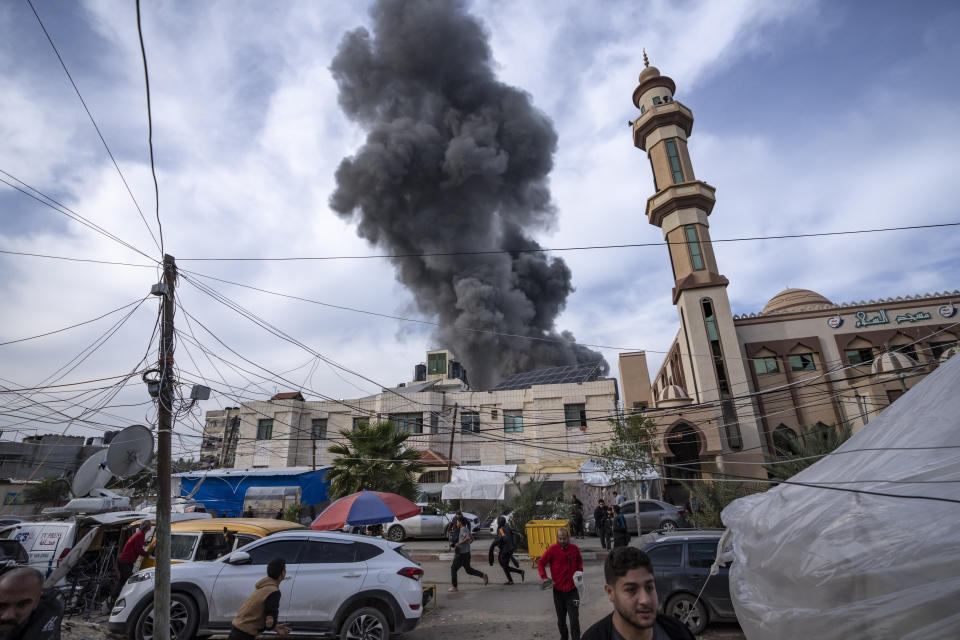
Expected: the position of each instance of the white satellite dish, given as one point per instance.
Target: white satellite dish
(92, 474)
(130, 451)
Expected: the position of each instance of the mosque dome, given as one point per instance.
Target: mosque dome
(891, 362)
(673, 395)
(796, 300)
(649, 72)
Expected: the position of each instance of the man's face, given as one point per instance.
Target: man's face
(563, 537)
(17, 602)
(634, 598)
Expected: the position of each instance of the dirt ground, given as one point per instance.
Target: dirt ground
(477, 612)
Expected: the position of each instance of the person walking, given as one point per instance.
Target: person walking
(259, 612)
(619, 498)
(600, 522)
(507, 542)
(577, 509)
(628, 574)
(132, 550)
(620, 533)
(461, 556)
(564, 560)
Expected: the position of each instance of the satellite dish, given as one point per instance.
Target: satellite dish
(93, 473)
(130, 451)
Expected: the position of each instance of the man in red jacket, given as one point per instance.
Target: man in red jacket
(131, 551)
(564, 560)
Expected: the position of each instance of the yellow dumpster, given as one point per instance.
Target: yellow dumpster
(541, 534)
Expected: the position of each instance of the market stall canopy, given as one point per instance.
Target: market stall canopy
(877, 556)
(479, 482)
(591, 473)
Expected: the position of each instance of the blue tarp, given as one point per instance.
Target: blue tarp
(223, 490)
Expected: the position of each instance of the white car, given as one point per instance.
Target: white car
(430, 523)
(336, 584)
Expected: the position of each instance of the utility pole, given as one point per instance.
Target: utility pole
(161, 593)
(453, 432)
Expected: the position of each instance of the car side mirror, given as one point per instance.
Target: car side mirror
(239, 557)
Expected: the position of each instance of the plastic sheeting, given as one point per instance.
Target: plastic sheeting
(223, 490)
(825, 564)
(592, 474)
(479, 483)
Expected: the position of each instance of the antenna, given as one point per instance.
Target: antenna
(130, 450)
(92, 474)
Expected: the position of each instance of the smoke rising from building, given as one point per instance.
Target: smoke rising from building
(454, 160)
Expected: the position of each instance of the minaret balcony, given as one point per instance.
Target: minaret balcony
(661, 115)
(686, 195)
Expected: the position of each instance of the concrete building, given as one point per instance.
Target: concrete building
(221, 430)
(735, 391)
(533, 419)
(48, 455)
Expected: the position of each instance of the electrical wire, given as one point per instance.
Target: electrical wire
(153, 168)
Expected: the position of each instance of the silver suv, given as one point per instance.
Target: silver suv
(336, 584)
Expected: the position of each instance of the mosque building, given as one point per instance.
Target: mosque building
(735, 391)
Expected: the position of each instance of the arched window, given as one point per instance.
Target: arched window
(785, 441)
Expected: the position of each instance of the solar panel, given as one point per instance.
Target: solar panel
(554, 375)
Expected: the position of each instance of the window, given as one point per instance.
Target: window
(289, 550)
(437, 363)
(643, 109)
(434, 422)
(265, 429)
(575, 415)
(859, 356)
(360, 421)
(324, 552)
(713, 335)
(470, 422)
(409, 422)
(318, 428)
(181, 546)
(668, 555)
(701, 555)
(937, 348)
(674, 161)
(513, 421)
(802, 362)
(785, 441)
(766, 365)
(656, 99)
(693, 243)
(366, 551)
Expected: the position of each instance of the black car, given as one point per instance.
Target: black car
(681, 566)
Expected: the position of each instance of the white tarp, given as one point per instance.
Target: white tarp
(592, 474)
(818, 563)
(479, 483)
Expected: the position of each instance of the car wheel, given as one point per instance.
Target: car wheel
(365, 624)
(396, 533)
(183, 619)
(685, 607)
(668, 526)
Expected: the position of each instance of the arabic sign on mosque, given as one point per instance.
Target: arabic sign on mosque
(881, 317)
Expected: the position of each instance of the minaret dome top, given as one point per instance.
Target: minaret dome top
(650, 78)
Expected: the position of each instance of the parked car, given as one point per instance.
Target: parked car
(336, 583)
(681, 566)
(654, 516)
(202, 540)
(430, 523)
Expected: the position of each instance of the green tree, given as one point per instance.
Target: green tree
(713, 496)
(375, 459)
(813, 444)
(532, 504)
(48, 492)
(628, 456)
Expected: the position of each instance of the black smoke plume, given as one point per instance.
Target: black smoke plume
(455, 161)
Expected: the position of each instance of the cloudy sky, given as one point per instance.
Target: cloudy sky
(810, 117)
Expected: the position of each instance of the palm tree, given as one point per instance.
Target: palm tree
(375, 459)
(813, 444)
(47, 492)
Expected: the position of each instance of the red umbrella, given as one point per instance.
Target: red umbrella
(366, 507)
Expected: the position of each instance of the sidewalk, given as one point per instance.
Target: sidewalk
(428, 550)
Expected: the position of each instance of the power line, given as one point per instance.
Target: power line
(153, 168)
(42, 255)
(94, 122)
(582, 248)
(73, 326)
